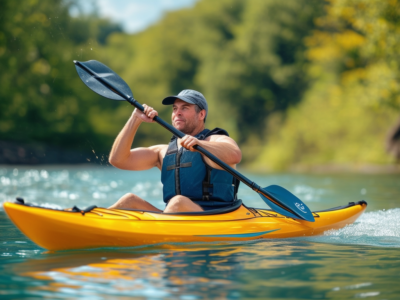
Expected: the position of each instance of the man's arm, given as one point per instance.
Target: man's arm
(223, 147)
(122, 156)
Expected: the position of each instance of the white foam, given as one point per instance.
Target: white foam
(382, 223)
(378, 228)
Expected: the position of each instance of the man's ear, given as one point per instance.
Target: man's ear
(202, 114)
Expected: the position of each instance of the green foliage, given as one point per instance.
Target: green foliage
(42, 98)
(355, 98)
(261, 70)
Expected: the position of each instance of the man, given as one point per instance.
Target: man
(191, 182)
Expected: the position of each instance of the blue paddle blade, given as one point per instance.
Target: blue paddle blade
(99, 70)
(277, 208)
(295, 207)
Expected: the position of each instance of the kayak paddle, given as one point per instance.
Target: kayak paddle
(105, 82)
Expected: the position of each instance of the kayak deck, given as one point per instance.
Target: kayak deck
(101, 227)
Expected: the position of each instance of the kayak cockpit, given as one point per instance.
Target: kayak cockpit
(217, 211)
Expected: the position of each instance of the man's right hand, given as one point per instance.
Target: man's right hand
(146, 116)
(139, 158)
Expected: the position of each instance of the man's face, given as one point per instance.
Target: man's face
(184, 116)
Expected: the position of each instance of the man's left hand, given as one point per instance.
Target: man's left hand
(189, 142)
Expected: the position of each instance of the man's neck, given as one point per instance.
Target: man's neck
(197, 131)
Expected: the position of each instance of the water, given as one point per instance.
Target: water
(359, 261)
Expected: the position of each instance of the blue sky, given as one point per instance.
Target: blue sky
(133, 15)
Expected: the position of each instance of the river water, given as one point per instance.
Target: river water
(359, 261)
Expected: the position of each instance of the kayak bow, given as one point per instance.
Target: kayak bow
(100, 227)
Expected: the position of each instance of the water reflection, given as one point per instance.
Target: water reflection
(278, 269)
(177, 270)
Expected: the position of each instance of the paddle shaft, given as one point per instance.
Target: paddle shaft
(177, 132)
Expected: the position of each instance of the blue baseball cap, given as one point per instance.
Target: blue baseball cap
(189, 96)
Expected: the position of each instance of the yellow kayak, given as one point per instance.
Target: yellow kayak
(100, 227)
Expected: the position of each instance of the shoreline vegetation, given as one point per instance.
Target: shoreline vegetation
(301, 85)
(12, 153)
(16, 154)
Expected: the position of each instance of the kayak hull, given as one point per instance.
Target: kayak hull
(62, 230)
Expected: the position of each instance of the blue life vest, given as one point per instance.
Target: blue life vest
(185, 173)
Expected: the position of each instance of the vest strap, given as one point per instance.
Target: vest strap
(184, 165)
(173, 146)
(207, 186)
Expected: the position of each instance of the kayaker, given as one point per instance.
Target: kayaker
(191, 181)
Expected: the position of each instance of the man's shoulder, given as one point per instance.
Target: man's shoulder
(217, 131)
(159, 147)
(218, 137)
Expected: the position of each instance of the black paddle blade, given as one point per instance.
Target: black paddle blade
(96, 76)
(295, 208)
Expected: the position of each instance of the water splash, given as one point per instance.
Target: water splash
(377, 228)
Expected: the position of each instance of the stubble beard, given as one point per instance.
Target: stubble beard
(189, 128)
